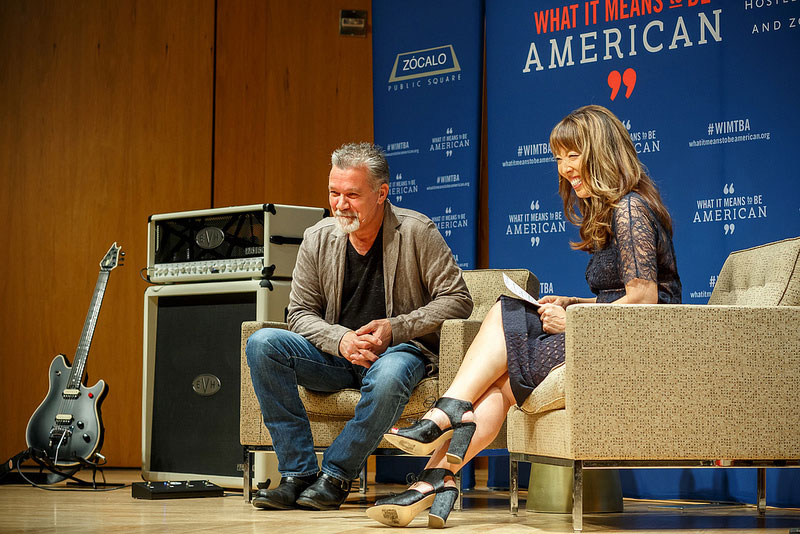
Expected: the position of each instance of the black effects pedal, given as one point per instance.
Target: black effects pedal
(175, 490)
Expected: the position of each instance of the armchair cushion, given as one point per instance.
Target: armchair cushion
(340, 404)
(549, 395)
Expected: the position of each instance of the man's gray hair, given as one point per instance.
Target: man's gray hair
(367, 155)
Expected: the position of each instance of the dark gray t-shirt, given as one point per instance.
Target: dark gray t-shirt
(363, 295)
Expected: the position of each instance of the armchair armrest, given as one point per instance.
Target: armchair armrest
(683, 381)
(457, 336)
(251, 428)
(248, 327)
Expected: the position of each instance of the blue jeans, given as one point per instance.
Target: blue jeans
(281, 360)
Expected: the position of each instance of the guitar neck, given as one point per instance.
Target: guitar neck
(79, 364)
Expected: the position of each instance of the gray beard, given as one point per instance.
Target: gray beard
(348, 225)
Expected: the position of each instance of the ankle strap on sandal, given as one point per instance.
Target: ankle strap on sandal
(453, 408)
(435, 477)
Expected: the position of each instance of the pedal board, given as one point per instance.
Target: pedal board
(175, 490)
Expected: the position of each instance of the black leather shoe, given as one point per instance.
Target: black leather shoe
(327, 493)
(285, 495)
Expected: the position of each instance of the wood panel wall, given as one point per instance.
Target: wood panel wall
(290, 89)
(105, 118)
(113, 111)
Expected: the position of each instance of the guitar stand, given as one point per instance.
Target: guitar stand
(94, 484)
(55, 475)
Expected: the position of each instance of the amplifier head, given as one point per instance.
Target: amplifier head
(239, 242)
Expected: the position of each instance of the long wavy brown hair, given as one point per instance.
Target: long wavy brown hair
(610, 170)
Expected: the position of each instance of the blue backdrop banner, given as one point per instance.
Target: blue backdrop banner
(708, 92)
(427, 76)
(707, 95)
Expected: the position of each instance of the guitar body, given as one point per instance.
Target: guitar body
(67, 425)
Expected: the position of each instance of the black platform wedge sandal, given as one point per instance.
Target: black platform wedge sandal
(424, 436)
(399, 510)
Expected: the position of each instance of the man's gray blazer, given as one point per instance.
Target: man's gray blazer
(423, 284)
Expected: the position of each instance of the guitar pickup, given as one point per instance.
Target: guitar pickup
(63, 419)
(71, 393)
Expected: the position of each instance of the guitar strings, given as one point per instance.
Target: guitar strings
(74, 381)
(60, 441)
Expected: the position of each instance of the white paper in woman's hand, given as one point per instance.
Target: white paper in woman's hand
(518, 291)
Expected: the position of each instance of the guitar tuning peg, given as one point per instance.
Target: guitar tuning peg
(122, 253)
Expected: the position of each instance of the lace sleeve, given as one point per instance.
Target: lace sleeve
(636, 237)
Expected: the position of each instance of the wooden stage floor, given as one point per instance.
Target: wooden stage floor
(24, 508)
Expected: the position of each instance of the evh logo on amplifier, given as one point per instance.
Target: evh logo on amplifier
(206, 385)
(210, 237)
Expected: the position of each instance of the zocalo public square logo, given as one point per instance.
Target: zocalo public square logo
(422, 63)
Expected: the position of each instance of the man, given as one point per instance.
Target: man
(370, 290)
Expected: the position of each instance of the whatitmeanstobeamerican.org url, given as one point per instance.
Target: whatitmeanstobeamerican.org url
(725, 139)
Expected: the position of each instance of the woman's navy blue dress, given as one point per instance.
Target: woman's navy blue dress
(640, 248)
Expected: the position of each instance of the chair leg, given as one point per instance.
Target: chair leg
(362, 480)
(247, 476)
(459, 504)
(577, 496)
(761, 491)
(513, 482)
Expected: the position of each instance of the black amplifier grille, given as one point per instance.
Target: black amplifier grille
(214, 237)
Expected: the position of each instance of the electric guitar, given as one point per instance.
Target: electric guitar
(67, 425)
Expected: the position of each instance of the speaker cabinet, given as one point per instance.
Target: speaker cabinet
(191, 376)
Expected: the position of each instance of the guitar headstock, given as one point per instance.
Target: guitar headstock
(115, 256)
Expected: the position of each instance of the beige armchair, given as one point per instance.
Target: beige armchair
(676, 385)
(329, 412)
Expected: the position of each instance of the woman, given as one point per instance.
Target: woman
(628, 232)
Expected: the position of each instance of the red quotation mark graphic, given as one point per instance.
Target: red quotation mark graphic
(615, 80)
